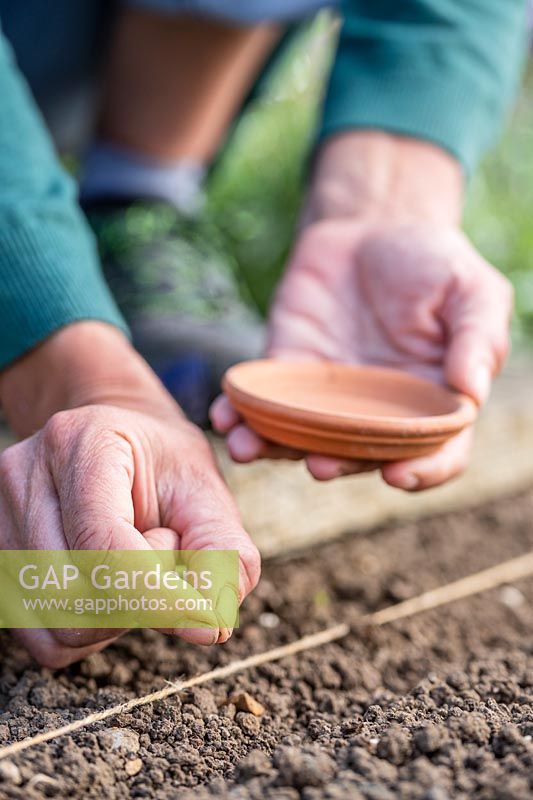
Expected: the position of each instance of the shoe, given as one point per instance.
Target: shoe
(179, 296)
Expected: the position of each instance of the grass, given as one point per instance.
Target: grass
(256, 188)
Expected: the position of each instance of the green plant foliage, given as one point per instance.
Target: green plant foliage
(499, 214)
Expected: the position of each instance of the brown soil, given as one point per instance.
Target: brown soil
(440, 706)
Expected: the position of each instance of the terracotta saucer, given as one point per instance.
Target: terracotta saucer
(347, 411)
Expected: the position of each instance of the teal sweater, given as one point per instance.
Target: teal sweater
(440, 70)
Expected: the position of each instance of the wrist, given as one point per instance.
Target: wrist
(376, 176)
(84, 363)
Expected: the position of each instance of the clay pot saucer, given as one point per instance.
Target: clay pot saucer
(347, 411)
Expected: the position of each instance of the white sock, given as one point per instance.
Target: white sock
(111, 172)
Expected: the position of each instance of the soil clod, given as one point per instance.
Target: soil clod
(243, 701)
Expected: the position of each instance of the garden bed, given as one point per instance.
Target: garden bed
(437, 706)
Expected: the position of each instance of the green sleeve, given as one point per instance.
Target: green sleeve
(441, 70)
(49, 270)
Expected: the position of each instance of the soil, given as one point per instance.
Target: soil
(436, 707)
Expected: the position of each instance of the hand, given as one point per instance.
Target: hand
(387, 289)
(122, 470)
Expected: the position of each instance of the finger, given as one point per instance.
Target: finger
(244, 446)
(222, 415)
(325, 468)
(162, 539)
(167, 539)
(206, 637)
(423, 473)
(34, 522)
(478, 318)
(201, 508)
(92, 470)
(19, 469)
(48, 652)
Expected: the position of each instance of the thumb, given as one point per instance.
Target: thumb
(477, 321)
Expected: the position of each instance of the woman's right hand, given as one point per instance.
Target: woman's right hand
(119, 468)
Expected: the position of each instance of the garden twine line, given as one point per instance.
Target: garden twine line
(506, 572)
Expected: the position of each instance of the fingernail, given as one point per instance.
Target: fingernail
(343, 470)
(224, 635)
(410, 482)
(481, 381)
(211, 638)
(205, 636)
